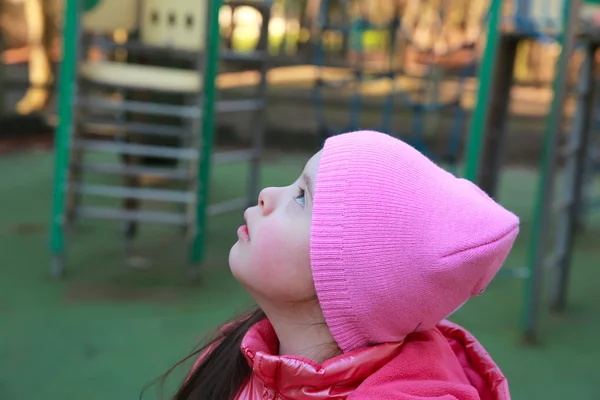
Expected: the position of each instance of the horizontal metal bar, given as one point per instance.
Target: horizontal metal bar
(260, 5)
(133, 170)
(136, 149)
(257, 56)
(562, 205)
(24, 83)
(551, 261)
(225, 54)
(334, 83)
(95, 125)
(137, 216)
(516, 273)
(234, 156)
(136, 193)
(139, 47)
(227, 206)
(142, 107)
(227, 106)
(335, 27)
(568, 150)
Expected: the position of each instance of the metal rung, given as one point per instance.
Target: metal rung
(140, 47)
(230, 55)
(240, 105)
(260, 5)
(135, 127)
(335, 27)
(136, 149)
(334, 84)
(234, 156)
(136, 216)
(142, 107)
(24, 83)
(562, 205)
(132, 170)
(568, 150)
(518, 273)
(227, 206)
(171, 110)
(551, 261)
(136, 193)
(226, 54)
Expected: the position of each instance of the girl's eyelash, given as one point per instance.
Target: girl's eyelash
(299, 196)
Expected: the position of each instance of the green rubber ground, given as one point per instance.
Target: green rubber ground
(107, 329)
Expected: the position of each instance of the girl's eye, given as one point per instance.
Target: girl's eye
(299, 198)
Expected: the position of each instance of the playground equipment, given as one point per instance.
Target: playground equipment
(551, 244)
(2, 72)
(433, 31)
(101, 120)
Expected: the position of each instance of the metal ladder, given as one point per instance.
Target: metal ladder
(592, 169)
(486, 143)
(79, 110)
(578, 155)
(554, 253)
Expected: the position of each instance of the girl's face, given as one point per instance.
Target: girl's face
(272, 256)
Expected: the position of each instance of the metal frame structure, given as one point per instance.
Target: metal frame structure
(2, 71)
(551, 245)
(352, 30)
(196, 145)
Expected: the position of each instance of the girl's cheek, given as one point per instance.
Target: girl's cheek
(280, 254)
(269, 249)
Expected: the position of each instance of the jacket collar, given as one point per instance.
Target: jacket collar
(291, 375)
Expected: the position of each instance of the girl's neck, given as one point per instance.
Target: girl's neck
(302, 331)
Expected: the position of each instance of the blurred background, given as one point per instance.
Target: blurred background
(134, 132)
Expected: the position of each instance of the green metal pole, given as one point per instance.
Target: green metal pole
(66, 95)
(542, 211)
(208, 126)
(486, 72)
(2, 73)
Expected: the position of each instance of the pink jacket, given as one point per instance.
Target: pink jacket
(444, 363)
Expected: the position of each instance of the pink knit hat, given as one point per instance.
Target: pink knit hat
(397, 243)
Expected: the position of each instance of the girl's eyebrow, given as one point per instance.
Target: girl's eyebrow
(308, 182)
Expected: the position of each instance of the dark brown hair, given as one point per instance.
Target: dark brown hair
(223, 369)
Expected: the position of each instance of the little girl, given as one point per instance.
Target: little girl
(354, 268)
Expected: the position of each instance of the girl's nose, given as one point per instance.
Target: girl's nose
(267, 200)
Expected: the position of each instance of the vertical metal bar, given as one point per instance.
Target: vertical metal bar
(258, 128)
(523, 15)
(76, 159)
(543, 201)
(388, 105)
(359, 72)
(495, 125)
(208, 125)
(67, 93)
(2, 70)
(574, 179)
(589, 174)
(477, 130)
(418, 127)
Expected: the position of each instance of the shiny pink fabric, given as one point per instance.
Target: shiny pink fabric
(443, 363)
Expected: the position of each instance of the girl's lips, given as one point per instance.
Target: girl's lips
(243, 233)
